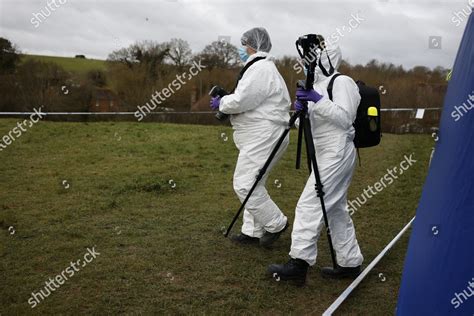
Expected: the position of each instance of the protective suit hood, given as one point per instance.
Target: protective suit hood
(335, 54)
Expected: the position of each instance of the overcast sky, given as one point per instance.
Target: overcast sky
(388, 30)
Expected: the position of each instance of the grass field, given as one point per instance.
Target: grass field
(71, 64)
(69, 186)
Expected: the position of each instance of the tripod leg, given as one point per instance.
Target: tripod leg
(319, 185)
(298, 149)
(263, 170)
(300, 143)
(308, 153)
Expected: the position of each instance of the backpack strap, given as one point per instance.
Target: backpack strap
(331, 85)
(323, 69)
(358, 157)
(247, 66)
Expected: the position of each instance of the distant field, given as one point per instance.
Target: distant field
(77, 65)
(69, 186)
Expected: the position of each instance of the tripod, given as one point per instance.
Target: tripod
(304, 130)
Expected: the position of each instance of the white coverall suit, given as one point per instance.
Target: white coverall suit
(333, 135)
(259, 109)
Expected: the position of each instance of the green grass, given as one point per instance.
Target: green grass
(71, 64)
(161, 249)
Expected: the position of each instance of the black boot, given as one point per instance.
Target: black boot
(269, 238)
(244, 239)
(340, 272)
(294, 270)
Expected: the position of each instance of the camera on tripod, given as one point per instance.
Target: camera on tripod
(217, 91)
(307, 47)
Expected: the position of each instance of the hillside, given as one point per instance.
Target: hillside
(77, 65)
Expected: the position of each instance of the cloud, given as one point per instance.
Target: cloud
(392, 31)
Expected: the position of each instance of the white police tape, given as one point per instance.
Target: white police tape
(364, 273)
(101, 113)
(179, 113)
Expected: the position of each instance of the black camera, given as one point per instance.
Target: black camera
(217, 91)
(310, 41)
(307, 47)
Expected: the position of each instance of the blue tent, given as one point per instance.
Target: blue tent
(438, 277)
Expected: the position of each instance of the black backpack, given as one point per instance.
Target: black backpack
(367, 126)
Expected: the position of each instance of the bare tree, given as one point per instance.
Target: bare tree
(219, 54)
(149, 55)
(141, 52)
(123, 55)
(179, 52)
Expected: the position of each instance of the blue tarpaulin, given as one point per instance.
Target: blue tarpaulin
(438, 276)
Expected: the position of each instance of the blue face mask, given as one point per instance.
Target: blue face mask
(243, 54)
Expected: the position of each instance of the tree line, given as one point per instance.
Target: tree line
(135, 72)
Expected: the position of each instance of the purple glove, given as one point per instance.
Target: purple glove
(300, 105)
(308, 95)
(215, 102)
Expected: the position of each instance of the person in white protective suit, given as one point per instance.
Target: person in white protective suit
(333, 135)
(259, 111)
